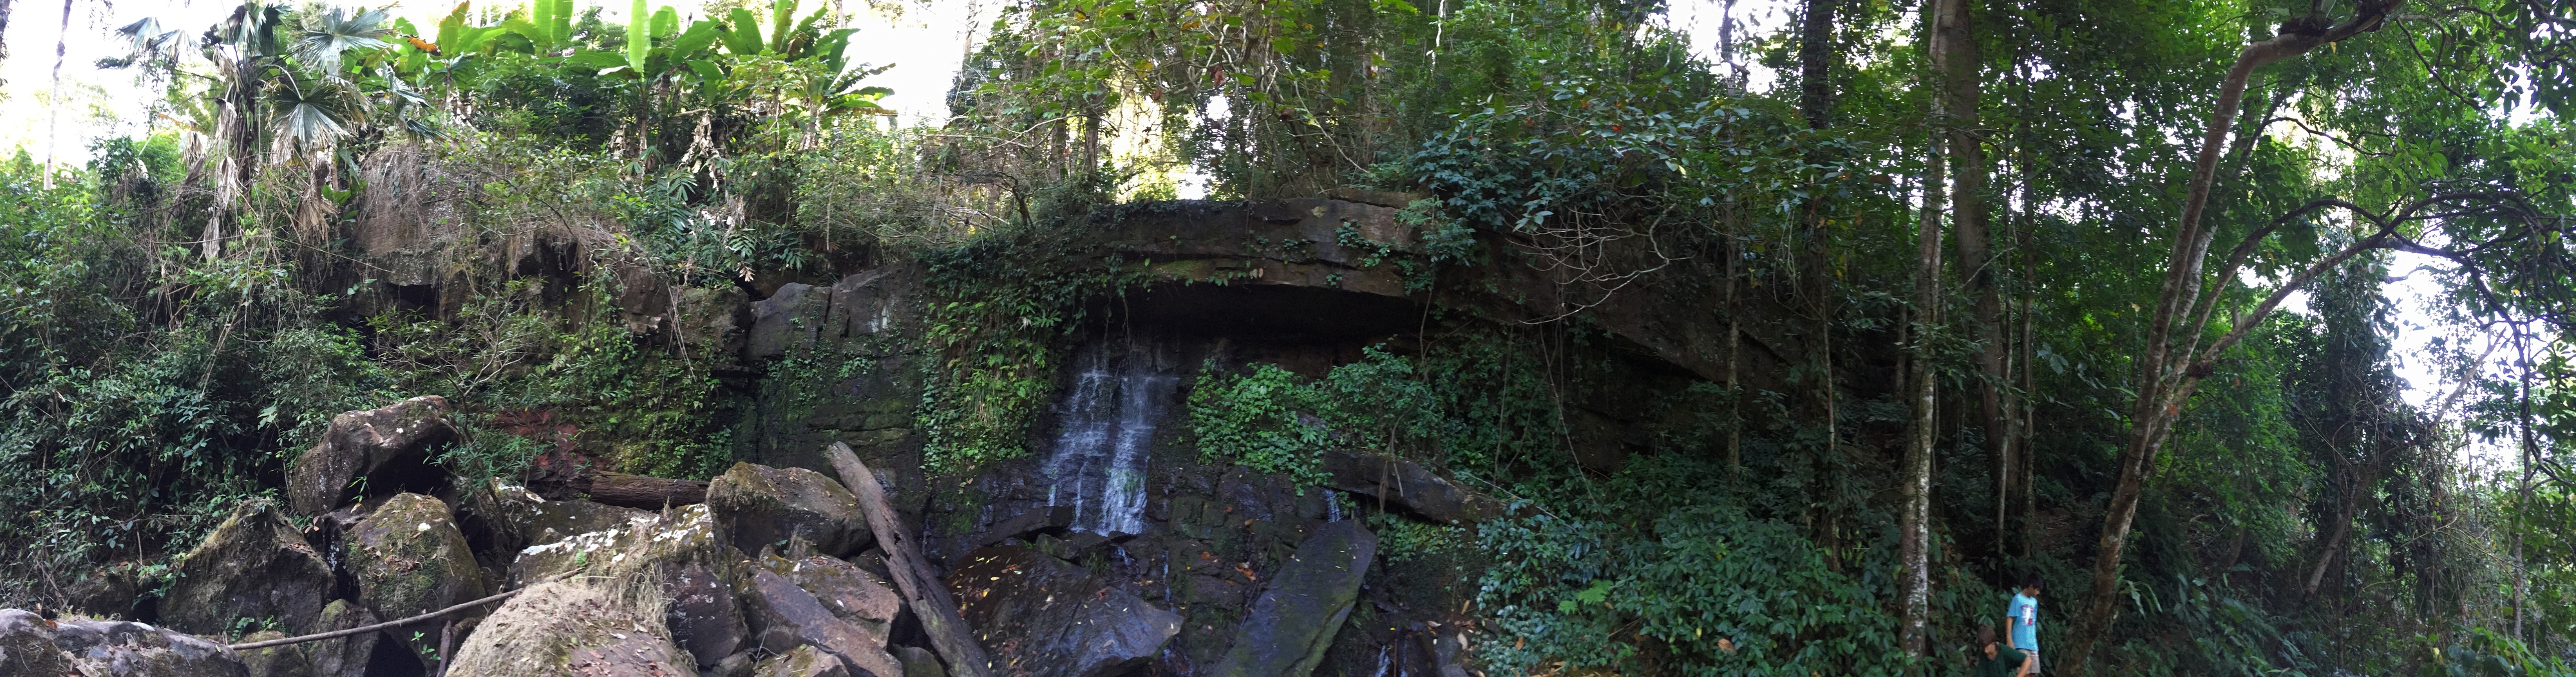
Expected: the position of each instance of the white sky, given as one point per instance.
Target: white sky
(925, 39)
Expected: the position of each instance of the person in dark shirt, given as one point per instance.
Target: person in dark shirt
(1993, 659)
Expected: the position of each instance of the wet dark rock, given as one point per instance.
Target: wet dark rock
(785, 616)
(1045, 618)
(1285, 632)
(128, 650)
(789, 318)
(409, 559)
(805, 661)
(919, 662)
(760, 505)
(1051, 519)
(846, 590)
(389, 446)
(1408, 485)
(275, 661)
(346, 656)
(108, 591)
(573, 627)
(705, 617)
(255, 565)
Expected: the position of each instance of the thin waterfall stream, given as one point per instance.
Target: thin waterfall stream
(1108, 415)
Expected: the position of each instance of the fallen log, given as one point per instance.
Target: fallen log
(649, 493)
(578, 480)
(922, 591)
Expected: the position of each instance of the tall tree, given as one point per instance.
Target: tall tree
(1957, 67)
(1816, 103)
(2175, 357)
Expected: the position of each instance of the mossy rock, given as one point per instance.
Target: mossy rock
(410, 559)
(255, 565)
(346, 656)
(760, 505)
(275, 661)
(657, 542)
(575, 627)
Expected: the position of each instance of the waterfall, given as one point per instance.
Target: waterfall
(1109, 415)
(1332, 507)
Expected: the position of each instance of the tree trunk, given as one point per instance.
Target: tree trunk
(2167, 377)
(1815, 64)
(1915, 532)
(1957, 67)
(1816, 103)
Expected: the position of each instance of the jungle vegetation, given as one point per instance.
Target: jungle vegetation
(2065, 229)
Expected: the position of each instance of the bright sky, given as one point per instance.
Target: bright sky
(925, 39)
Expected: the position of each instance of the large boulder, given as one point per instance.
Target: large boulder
(760, 505)
(1285, 632)
(27, 646)
(345, 656)
(409, 559)
(785, 616)
(1045, 618)
(679, 550)
(390, 446)
(254, 565)
(849, 592)
(574, 627)
(33, 646)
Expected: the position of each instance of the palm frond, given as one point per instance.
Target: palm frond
(322, 38)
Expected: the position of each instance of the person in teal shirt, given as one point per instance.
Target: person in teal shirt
(2021, 620)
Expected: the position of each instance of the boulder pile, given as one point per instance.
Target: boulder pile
(368, 571)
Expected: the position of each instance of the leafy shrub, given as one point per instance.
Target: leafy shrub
(1273, 420)
(1659, 558)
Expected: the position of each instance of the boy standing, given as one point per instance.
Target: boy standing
(2022, 621)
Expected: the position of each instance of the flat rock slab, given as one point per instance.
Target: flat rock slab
(852, 593)
(1042, 617)
(389, 445)
(1286, 630)
(31, 645)
(255, 565)
(805, 661)
(786, 616)
(520, 518)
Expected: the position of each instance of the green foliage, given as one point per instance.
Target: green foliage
(1658, 554)
(1272, 420)
(1258, 419)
